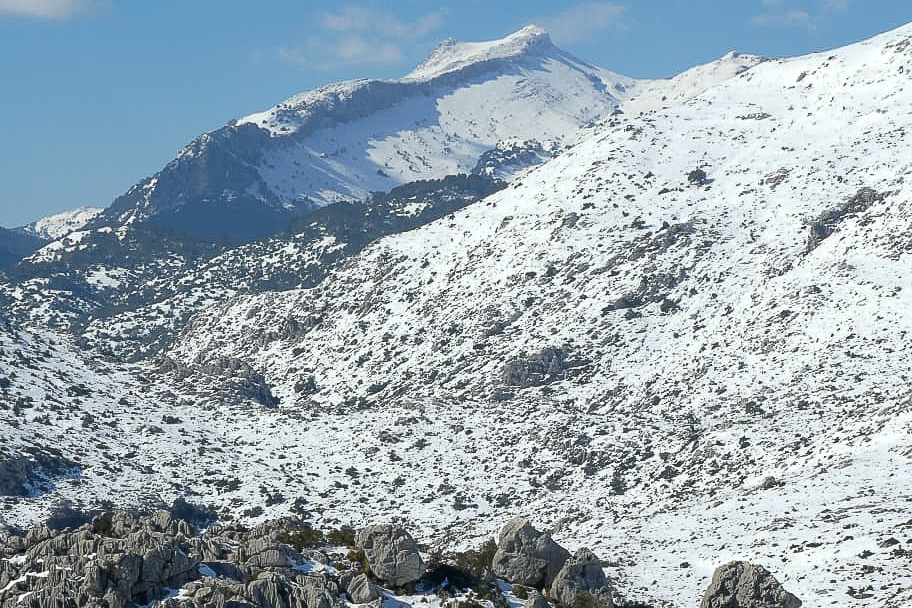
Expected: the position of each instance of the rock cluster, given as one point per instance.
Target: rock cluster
(529, 557)
(122, 560)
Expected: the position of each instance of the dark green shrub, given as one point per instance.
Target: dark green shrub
(342, 537)
(299, 540)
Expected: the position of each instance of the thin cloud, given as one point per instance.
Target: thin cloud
(799, 16)
(363, 19)
(792, 17)
(358, 35)
(584, 21)
(44, 9)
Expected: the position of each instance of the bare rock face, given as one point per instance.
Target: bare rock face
(361, 591)
(392, 554)
(527, 556)
(582, 574)
(121, 560)
(744, 585)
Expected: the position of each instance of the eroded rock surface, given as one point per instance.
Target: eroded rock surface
(744, 585)
(391, 553)
(527, 556)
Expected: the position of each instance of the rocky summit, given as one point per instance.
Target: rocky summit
(511, 330)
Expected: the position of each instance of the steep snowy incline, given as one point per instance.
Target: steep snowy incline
(691, 359)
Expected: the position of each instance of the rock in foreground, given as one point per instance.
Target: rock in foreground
(582, 575)
(391, 553)
(527, 556)
(744, 585)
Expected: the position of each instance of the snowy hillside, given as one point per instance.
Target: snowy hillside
(56, 226)
(699, 364)
(682, 339)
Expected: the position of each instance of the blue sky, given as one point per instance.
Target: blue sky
(97, 94)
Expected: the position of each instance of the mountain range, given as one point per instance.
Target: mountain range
(669, 319)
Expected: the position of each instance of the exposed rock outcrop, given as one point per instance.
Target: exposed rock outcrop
(744, 585)
(582, 575)
(527, 556)
(391, 553)
(826, 223)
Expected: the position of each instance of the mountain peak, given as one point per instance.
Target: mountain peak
(451, 55)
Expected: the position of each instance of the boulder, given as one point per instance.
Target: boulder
(536, 600)
(526, 556)
(582, 574)
(744, 585)
(361, 591)
(392, 554)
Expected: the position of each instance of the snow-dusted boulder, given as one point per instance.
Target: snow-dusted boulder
(582, 574)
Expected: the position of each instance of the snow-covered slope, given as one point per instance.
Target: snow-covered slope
(56, 226)
(356, 137)
(675, 370)
(684, 372)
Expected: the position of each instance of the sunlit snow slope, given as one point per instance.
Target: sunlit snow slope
(686, 372)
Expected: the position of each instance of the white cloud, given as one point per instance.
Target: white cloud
(358, 35)
(44, 9)
(363, 19)
(799, 17)
(584, 21)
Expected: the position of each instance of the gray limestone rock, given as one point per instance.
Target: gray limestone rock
(744, 585)
(392, 554)
(527, 556)
(536, 600)
(582, 574)
(361, 591)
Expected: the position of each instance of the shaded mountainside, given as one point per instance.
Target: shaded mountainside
(128, 292)
(345, 141)
(14, 246)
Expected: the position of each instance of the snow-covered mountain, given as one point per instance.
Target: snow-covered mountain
(646, 352)
(58, 225)
(681, 340)
(346, 140)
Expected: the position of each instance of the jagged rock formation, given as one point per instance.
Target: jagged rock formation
(744, 585)
(826, 223)
(120, 560)
(527, 556)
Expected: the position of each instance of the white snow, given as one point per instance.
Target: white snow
(59, 225)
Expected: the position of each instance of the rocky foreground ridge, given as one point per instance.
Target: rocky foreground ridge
(172, 559)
